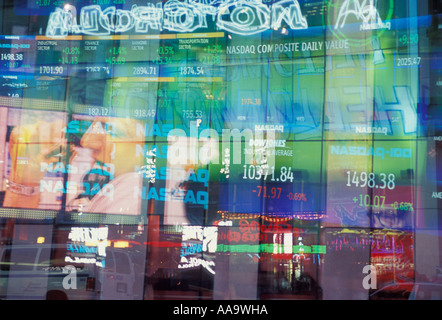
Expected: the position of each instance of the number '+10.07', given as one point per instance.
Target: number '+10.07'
(368, 201)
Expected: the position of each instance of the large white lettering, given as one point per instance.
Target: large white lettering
(244, 17)
(365, 11)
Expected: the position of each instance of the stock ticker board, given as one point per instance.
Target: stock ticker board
(312, 110)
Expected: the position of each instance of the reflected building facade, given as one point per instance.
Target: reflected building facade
(220, 150)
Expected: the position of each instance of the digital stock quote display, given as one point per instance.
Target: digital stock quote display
(277, 129)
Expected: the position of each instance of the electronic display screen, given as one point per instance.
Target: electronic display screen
(262, 130)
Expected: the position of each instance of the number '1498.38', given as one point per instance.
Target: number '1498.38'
(371, 180)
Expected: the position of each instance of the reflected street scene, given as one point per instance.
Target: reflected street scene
(221, 150)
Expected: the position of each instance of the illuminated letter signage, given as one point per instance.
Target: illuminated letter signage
(243, 17)
(365, 11)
